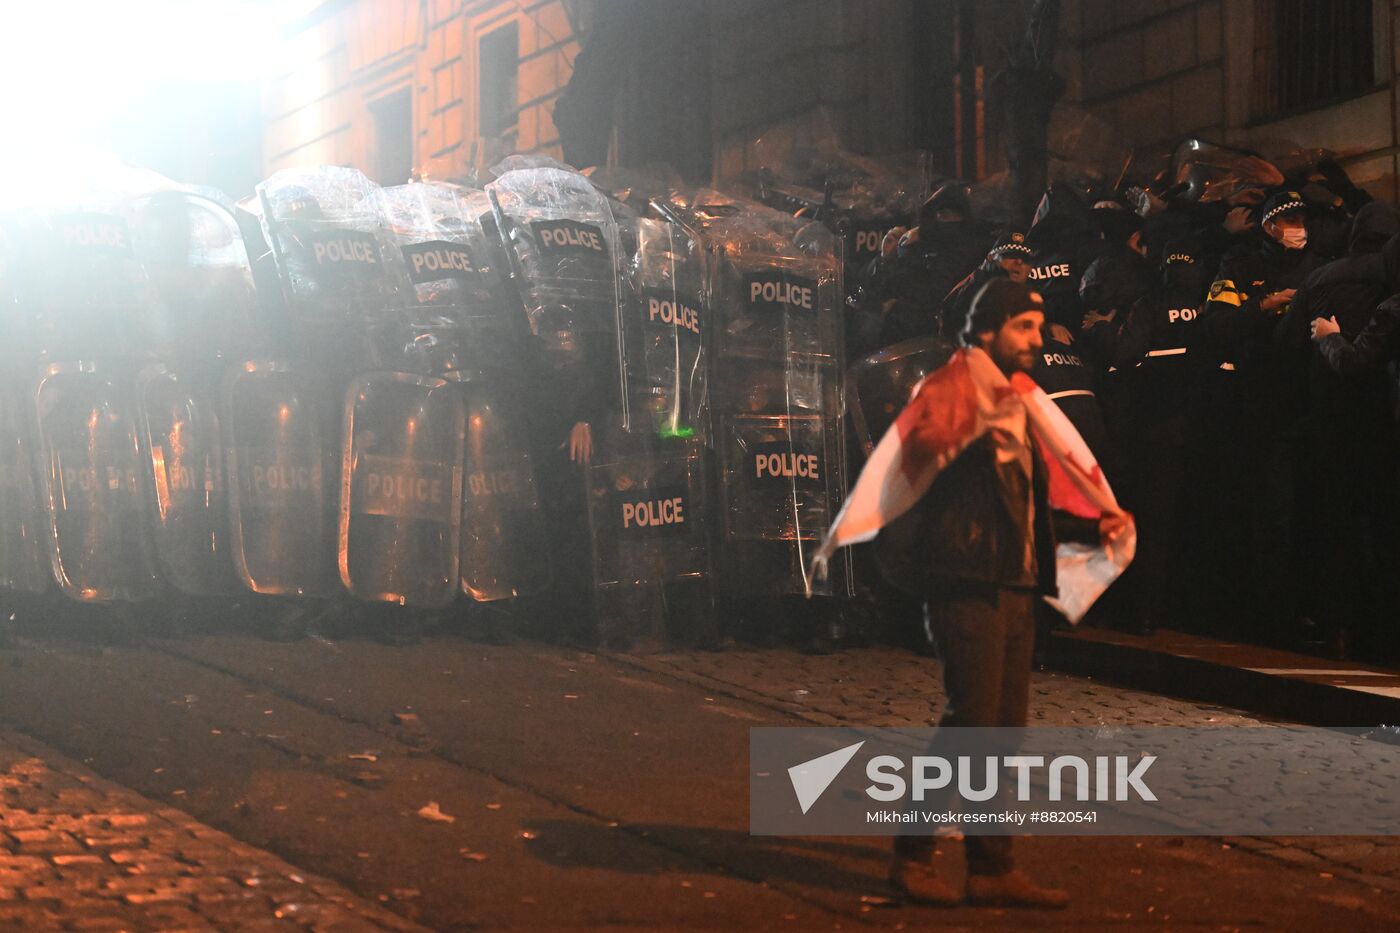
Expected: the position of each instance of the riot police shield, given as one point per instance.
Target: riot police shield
(23, 527)
(279, 427)
(400, 519)
(505, 544)
(91, 471)
(563, 242)
(84, 304)
(647, 491)
(193, 254)
(340, 282)
(777, 401)
(648, 512)
(466, 330)
(23, 567)
(341, 293)
(662, 331)
(879, 386)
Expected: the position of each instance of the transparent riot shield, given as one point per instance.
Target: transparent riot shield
(662, 332)
(279, 424)
(341, 298)
(400, 518)
(89, 461)
(466, 329)
(878, 386)
(86, 315)
(23, 525)
(777, 396)
(563, 242)
(181, 432)
(340, 282)
(505, 544)
(194, 256)
(649, 502)
(649, 512)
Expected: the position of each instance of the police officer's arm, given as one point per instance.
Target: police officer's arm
(1221, 320)
(1378, 343)
(1135, 339)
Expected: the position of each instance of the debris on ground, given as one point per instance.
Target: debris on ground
(433, 813)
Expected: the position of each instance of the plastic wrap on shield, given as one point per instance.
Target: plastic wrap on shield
(879, 385)
(649, 511)
(564, 237)
(201, 279)
(777, 296)
(663, 331)
(800, 166)
(79, 289)
(443, 250)
(280, 426)
(777, 399)
(89, 461)
(401, 484)
(337, 270)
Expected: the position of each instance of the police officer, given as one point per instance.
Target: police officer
(1155, 346)
(1066, 241)
(1009, 257)
(1343, 436)
(928, 262)
(1240, 417)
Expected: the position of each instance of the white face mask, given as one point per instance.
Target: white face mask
(1294, 238)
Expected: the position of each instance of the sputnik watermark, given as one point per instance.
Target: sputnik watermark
(932, 773)
(1218, 781)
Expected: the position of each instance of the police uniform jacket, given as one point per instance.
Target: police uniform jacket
(1157, 342)
(1066, 242)
(1068, 379)
(1236, 332)
(1115, 280)
(1350, 289)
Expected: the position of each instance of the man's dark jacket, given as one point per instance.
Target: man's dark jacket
(963, 535)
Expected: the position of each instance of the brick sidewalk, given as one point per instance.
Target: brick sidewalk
(80, 853)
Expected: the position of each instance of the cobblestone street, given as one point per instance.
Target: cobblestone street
(888, 687)
(79, 853)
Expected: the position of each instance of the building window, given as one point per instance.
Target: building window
(499, 62)
(1310, 52)
(393, 137)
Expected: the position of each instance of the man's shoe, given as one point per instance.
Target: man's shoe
(917, 881)
(1013, 889)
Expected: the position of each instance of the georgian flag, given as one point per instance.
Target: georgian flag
(949, 410)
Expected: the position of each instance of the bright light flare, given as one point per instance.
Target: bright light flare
(68, 69)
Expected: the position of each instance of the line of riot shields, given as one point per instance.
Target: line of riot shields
(417, 396)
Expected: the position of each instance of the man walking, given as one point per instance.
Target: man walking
(968, 464)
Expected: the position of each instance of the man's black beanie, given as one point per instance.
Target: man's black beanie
(996, 303)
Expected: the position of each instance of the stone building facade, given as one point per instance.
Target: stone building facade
(393, 86)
